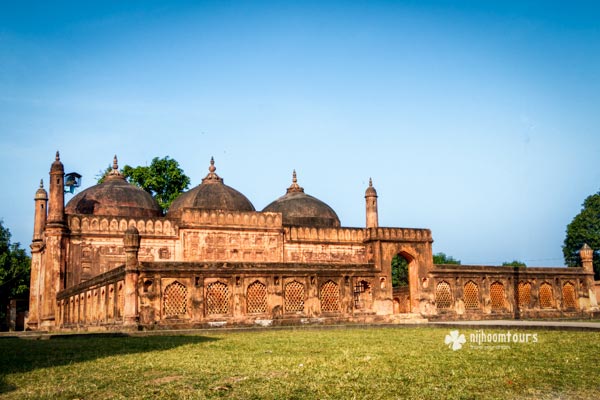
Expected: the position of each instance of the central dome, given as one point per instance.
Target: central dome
(211, 194)
(299, 208)
(114, 197)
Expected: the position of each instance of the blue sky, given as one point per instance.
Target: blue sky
(478, 120)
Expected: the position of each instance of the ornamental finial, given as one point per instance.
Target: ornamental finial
(295, 188)
(370, 192)
(212, 177)
(57, 158)
(115, 169)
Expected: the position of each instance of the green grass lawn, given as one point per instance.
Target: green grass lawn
(376, 363)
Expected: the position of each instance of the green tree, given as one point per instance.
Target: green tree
(442, 258)
(399, 271)
(584, 228)
(15, 267)
(163, 179)
(514, 263)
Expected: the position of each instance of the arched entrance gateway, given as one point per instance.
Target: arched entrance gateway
(400, 283)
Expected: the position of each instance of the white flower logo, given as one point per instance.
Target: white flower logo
(455, 341)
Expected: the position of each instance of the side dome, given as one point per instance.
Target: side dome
(114, 197)
(299, 208)
(211, 194)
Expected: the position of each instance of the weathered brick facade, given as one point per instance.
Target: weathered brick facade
(110, 260)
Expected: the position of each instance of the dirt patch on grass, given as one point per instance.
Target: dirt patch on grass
(165, 379)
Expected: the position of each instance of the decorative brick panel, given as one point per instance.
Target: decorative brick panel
(497, 296)
(175, 300)
(330, 297)
(546, 296)
(294, 297)
(471, 296)
(568, 294)
(524, 294)
(217, 298)
(443, 296)
(256, 298)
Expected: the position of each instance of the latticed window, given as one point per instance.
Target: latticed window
(217, 298)
(471, 296)
(497, 296)
(546, 296)
(362, 295)
(524, 294)
(294, 297)
(175, 299)
(256, 298)
(330, 296)
(568, 294)
(443, 295)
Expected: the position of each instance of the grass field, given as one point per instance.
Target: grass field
(376, 363)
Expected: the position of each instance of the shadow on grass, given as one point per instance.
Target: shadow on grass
(19, 355)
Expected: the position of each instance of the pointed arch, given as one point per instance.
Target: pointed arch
(330, 296)
(546, 295)
(443, 296)
(568, 295)
(217, 298)
(175, 300)
(497, 296)
(471, 296)
(294, 296)
(256, 298)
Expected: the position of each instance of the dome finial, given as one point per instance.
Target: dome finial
(295, 188)
(41, 183)
(212, 177)
(370, 182)
(115, 169)
(57, 158)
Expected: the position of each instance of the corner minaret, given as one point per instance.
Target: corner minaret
(52, 263)
(371, 200)
(37, 248)
(39, 221)
(587, 258)
(56, 211)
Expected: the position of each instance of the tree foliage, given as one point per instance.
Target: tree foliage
(584, 228)
(15, 266)
(399, 271)
(163, 179)
(442, 258)
(514, 263)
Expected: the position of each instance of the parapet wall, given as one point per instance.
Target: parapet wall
(480, 292)
(398, 234)
(160, 227)
(198, 218)
(98, 302)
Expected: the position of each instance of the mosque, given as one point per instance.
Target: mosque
(109, 259)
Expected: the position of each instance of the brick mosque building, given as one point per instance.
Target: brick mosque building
(110, 259)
